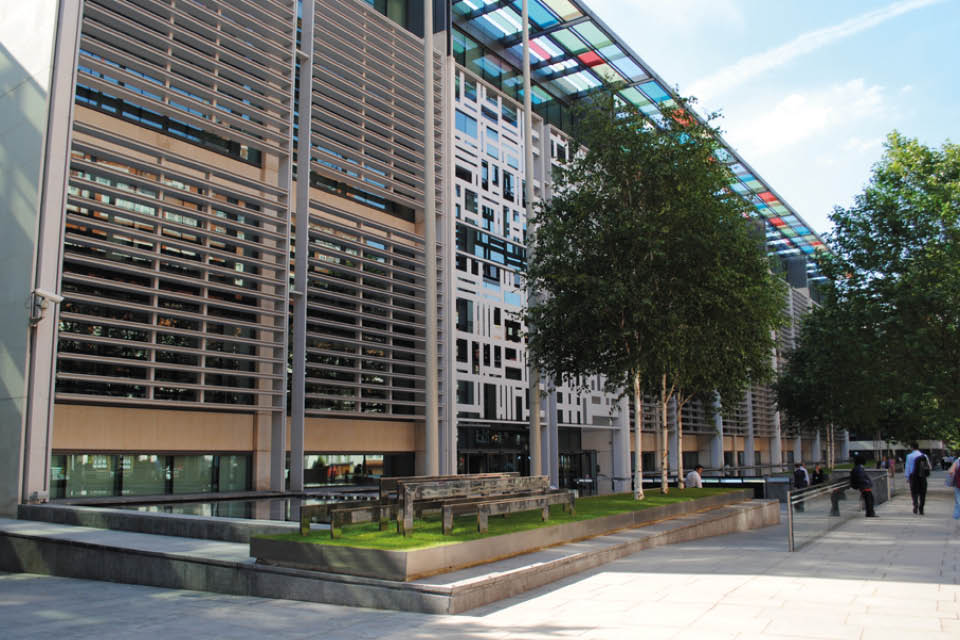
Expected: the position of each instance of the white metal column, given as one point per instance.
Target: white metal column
(40, 374)
(749, 446)
(534, 371)
(431, 449)
(716, 445)
(300, 282)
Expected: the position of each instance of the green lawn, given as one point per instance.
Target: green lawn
(427, 532)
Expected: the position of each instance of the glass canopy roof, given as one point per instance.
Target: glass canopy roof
(573, 52)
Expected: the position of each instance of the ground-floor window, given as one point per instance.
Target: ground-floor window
(96, 475)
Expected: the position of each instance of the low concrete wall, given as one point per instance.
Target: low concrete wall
(418, 563)
(164, 524)
(730, 519)
(61, 556)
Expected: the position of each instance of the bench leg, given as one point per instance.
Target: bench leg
(545, 513)
(447, 522)
(482, 521)
(405, 520)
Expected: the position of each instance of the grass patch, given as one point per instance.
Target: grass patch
(427, 531)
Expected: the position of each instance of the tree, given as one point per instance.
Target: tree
(883, 354)
(642, 258)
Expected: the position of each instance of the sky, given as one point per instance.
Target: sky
(808, 89)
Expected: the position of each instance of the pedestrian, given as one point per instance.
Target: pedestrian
(801, 480)
(917, 470)
(953, 480)
(861, 481)
(694, 479)
(820, 475)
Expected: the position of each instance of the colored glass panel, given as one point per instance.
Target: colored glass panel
(590, 59)
(635, 98)
(569, 41)
(540, 15)
(608, 73)
(766, 196)
(597, 39)
(655, 91)
(564, 9)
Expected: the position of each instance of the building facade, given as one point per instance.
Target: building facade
(191, 308)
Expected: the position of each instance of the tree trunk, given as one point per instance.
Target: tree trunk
(680, 481)
(664, 437)
(638, 446)
(831, 452)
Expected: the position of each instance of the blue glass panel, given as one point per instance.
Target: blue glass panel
(539, 14)
(655, 91)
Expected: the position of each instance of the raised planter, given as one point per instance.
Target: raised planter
(419, 563)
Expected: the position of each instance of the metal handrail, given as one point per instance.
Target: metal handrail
(795, 496)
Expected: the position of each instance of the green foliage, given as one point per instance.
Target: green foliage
(646, 265)
(884, 352)
(428, 532)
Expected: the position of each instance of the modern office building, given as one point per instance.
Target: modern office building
(188, 307)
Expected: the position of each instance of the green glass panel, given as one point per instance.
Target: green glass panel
(593, 35)
(570, 41)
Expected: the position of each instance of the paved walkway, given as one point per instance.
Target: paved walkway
(896, 576)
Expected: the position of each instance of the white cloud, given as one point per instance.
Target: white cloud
(750, 67)
(907, 88)
(859, 145)
(801, 116)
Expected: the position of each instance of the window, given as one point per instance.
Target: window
(470, 200)
(464, 392)
(466, 124)
(464, 174)
(465, 315)
(513, 331)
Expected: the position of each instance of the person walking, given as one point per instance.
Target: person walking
(917, 470)
(694, 479)
(953, 480)
(861, 481)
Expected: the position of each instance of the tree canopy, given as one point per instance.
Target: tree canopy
(648, 270)
(883, 353)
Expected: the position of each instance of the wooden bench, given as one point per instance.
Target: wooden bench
(388, 486)
(383, 510)
(485, 507)
(465, 487)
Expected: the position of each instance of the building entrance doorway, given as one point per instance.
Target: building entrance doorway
(578, 470)
(491, 448)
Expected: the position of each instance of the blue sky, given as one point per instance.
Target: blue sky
(808, 89)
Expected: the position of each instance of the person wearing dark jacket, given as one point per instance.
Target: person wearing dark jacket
(819, 475)
(861, 481)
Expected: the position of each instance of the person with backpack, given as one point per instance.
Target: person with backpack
(917, 469)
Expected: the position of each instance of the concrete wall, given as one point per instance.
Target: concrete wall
(104, 428)
(27, 32)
